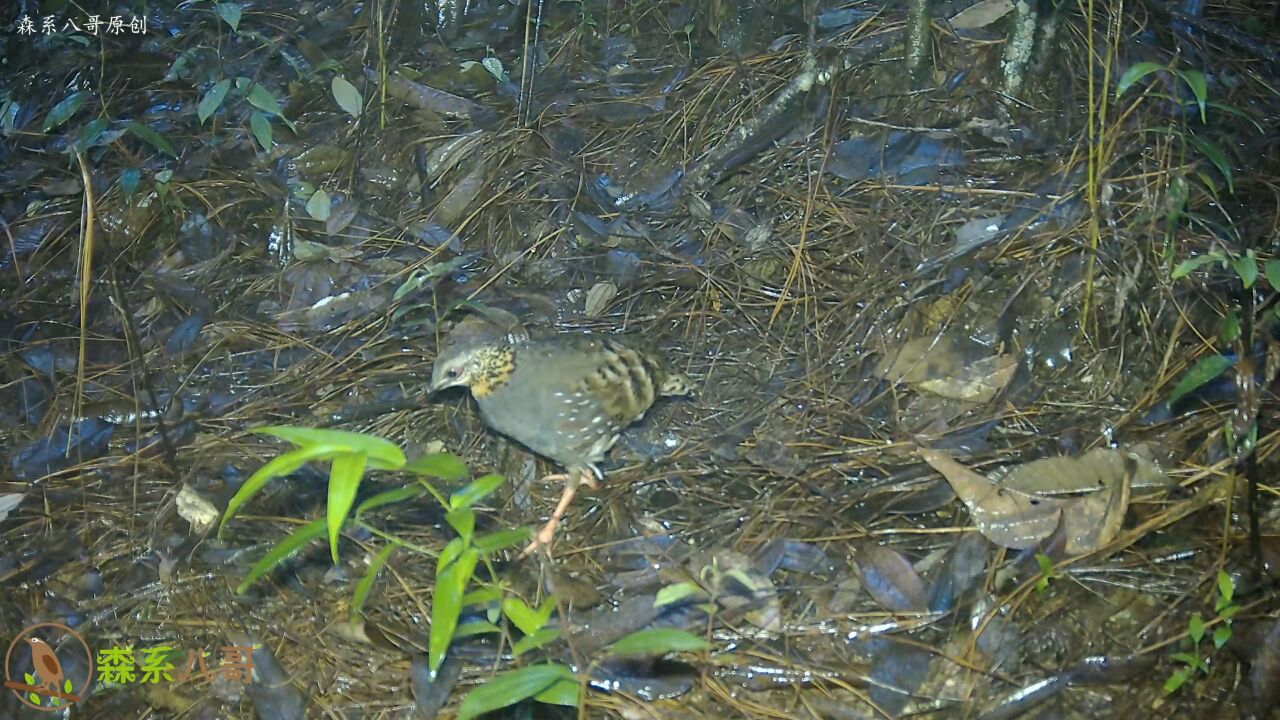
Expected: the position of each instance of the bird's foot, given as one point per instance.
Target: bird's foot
(547, 532)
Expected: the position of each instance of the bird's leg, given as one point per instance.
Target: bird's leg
(548, 531)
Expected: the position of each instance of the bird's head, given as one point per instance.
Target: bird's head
(480, 368)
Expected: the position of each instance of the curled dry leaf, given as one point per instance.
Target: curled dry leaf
(981, 14)
(599, 297)
(196, 510)
(1006, 517)
(1098, 469)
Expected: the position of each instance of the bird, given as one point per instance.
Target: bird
(46, 664)
(566, 397)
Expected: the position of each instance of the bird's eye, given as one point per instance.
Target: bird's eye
(451, 373)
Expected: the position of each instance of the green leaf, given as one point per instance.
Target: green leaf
(66, 686)
(1229, 330)
(344, 480)
(347, 96)
(260, 126)
(463, 520)
(481, 596)
(1185, 658)
(388, 497)
(1136, 72)
(212, 100)
(1226, 588)
(383, 454)
(318, 206)
(475, 627)
(1215, 156)
(283, 549)
(501, 540)
(534, 641)
(446, 466)
(363, 587)
(129, 179)
(658, 641)
(1199, 87)
(564, 692)
(31, 679)
(279, 466)
(526, 618)
(89, 133)
(1228, 612)
(1186, 267)
(451, 552)
(148, 135)
(509, 688)
(230, 13)
(479, 489)
(1195, 628)
(65, 109)
(675, 593)
(1221, 635)
(1272, 270)
(1247, 268)
(261, 98)
(1206, 368)
(446, 605)
(1176, 680)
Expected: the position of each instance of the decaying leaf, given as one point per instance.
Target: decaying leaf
(599, 297)
(196, 510)
(981, 14)
(890, 579)
(950, 368)
(1094, 520)
(1006, 517)
(1098, 469)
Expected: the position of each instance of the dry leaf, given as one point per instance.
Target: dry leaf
(193, 508)
(890, 579)
(1093, 521)
(981, 14)
(1095, 470)
(599, 297)
(1009, 518)
(977, 383)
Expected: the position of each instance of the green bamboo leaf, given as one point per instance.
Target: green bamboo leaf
(230, 14)
(479, 489)
(318, 206)
(279, 466)
(155, 139)
(475, 627)
(1136, 72)
(1206, 369)
(658, 641)
(451, 552)
(347, 96)
(675, 593)
(1221, 636)
(388, 497)
(563, 692)
(344, 480)
(212, 100)
(501, 540)
(1215, 156)
(383, 454)
(1186, 267)
(446, 466)
(481, 596)
(510, 688)
(282, 551)
(463, 520)
(65, 109)
(526, 618)
(1199, 87)
(446, 605)
(534, 641)
(261, 98)
(366, 583)
(89, 133)
(260, 126)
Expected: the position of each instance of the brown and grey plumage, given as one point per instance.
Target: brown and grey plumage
(566, 398)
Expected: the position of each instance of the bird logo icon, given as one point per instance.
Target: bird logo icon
(47, 683)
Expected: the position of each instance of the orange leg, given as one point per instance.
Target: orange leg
(548, 531)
